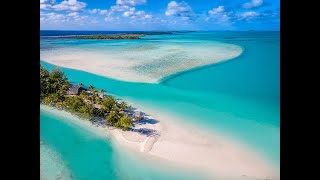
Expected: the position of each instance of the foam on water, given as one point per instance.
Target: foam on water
(139, 61)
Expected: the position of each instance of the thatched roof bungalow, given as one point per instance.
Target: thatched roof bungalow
(75, 90)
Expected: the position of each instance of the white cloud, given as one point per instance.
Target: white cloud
(252, 3)
(115, 9)
(111, 19)
(125, 9)
(54, 18)
(66, 5)
(218, 15)
(93, 11)
(110, 12)
(131, 2)
(103, 12)
(217, 10)
(99, 11)
(130, 12)
(47, 1)
(73, 14)
(224, 18)
(248, 15)
(69, 5)
(70, 18)
(148, 16)
(178, 9)
(45, 6)
(141, 15)
(119, 8)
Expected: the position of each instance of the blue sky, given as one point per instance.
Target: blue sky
(159, 15)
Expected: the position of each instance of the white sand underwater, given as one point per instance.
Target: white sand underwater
(147, 63)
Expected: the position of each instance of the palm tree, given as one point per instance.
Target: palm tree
(80, 84)
(91, 88)
(84, 94)
(94, 93)
(102, 91)
(123, 105)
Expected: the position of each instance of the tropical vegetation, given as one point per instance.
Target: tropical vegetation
(106, 36)
(89, 104)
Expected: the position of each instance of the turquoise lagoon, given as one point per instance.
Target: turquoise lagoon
(239, 98)
(73, 151)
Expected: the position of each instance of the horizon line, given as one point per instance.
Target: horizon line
(152, 30)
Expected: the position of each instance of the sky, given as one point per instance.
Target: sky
(139, 15)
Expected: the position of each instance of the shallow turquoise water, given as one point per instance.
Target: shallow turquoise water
(141, 60)
(76, 145)
(239, 98)
(71, 151)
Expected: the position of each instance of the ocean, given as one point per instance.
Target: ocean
(237, 97)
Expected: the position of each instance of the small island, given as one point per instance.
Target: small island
(87, 103)
(106, 36)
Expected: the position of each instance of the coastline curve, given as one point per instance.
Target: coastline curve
(141, 63)
(172, 76)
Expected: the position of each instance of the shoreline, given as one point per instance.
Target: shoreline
(184, 146)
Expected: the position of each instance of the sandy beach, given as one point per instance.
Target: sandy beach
(160, 138)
